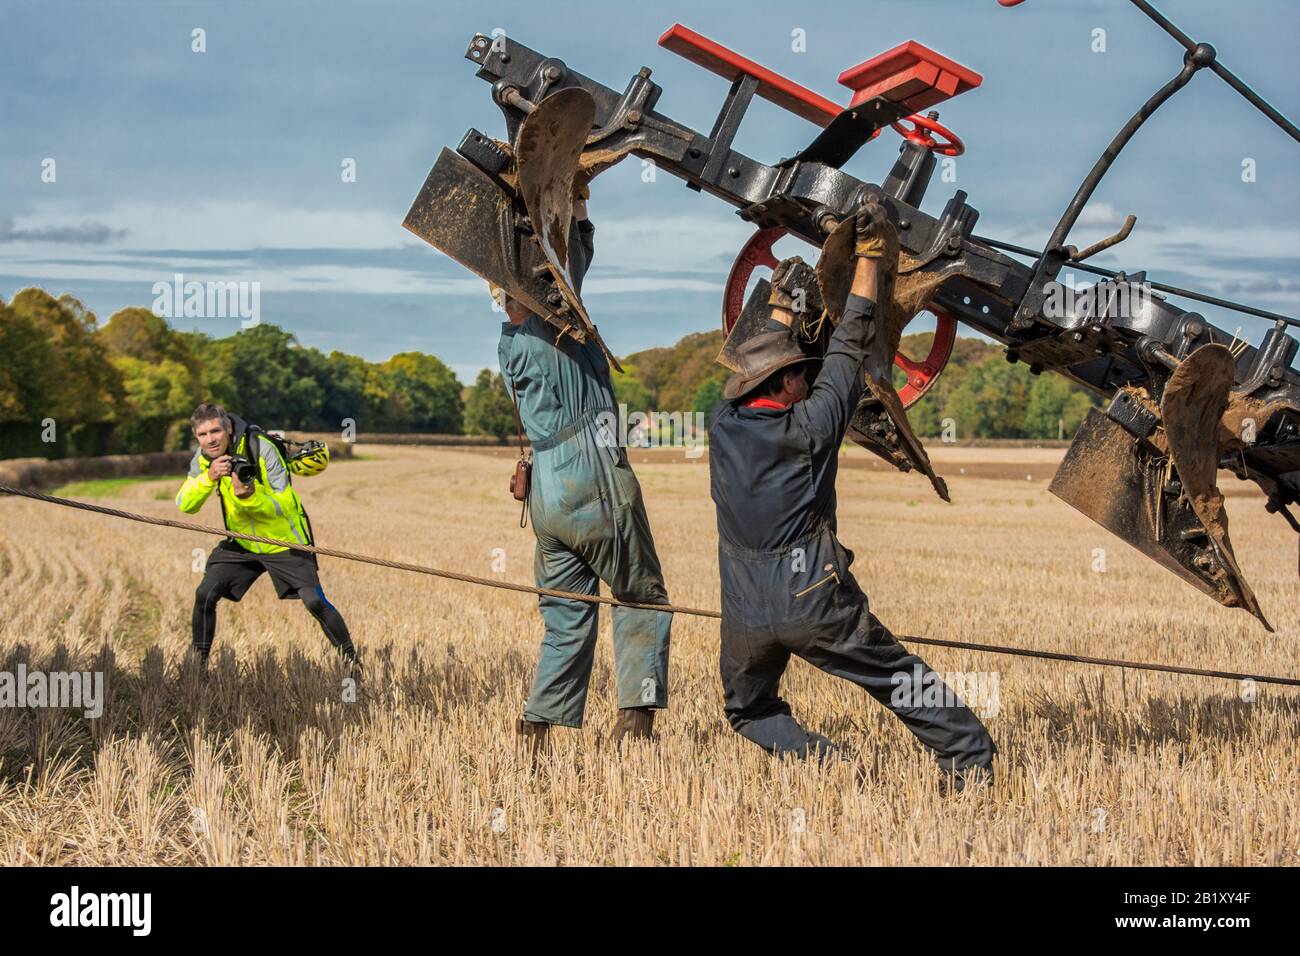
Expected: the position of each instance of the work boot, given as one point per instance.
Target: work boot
(819, 748)
(353, 665)
(634, 722)
(535, 737)
(973, 777)
(199, 659)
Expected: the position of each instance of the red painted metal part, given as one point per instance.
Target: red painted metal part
(910, 73)
(728, 64)
(758, 252)
(920, 130)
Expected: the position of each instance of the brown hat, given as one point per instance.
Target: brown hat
(759, 357)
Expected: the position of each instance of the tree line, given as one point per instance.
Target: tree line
(135, 378)
(130, 384)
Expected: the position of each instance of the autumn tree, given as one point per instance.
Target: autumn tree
(489, 409)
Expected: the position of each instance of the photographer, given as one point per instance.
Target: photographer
(257, 498)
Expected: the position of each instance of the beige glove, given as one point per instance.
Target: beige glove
(872, 227)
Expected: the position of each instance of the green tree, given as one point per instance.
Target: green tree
(1056, 405)
(24, 373)
(345, 378)
(629, 390)
(161, 375)
(420, 393)
(1047, 398)
(489, 409)
(55, 365)
(672, 375)
(1076, 409)
(162, 389)
(263, 375)
(707, 396)
(991, 399)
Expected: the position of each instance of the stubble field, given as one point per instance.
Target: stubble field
(267, 762)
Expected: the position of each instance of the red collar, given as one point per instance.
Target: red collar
(764, 403)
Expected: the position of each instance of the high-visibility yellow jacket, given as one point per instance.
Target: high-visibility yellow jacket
(273, 510)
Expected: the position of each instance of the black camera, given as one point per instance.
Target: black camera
(243, 469)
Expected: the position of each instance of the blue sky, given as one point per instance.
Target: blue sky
(225, 165)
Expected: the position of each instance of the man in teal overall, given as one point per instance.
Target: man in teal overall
(589, 519)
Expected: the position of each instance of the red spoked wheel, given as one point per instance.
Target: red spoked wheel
(758, 252)
(923, 374)
(920, 132)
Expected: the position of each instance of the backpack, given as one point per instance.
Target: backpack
(283, 446)
(311, 457)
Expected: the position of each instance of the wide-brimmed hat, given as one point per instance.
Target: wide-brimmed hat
(759, 357)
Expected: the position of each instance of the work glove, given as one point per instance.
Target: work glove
(793, 285)
(873, 232)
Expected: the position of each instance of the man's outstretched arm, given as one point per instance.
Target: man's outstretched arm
(584, 231)
(840, 383)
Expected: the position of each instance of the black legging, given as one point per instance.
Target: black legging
(204, 620)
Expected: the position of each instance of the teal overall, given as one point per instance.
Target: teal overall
(588, 516)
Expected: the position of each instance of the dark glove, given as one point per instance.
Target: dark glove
(794, 283)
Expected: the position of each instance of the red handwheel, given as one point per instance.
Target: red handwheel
(920, 130)
(758, 252)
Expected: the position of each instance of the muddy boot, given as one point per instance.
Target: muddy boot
(353, 667)
(198, 660)
(635, 723)
(972, 778)
(535, 738)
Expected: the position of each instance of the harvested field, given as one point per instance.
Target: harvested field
(268, 763)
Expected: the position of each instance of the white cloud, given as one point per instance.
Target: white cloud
(629, 252)
(1100, 214)
(219, 224)
(641, 254)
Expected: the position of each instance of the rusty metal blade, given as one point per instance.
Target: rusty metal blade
(463, 213)
(1120, 483)
(749, 324)
(908, 444)
(835, 269)
(1194, 401)
(547, 150)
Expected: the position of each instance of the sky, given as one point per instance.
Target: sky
(226, 165)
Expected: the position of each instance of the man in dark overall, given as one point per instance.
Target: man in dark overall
(589, 519)
(786, 584)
